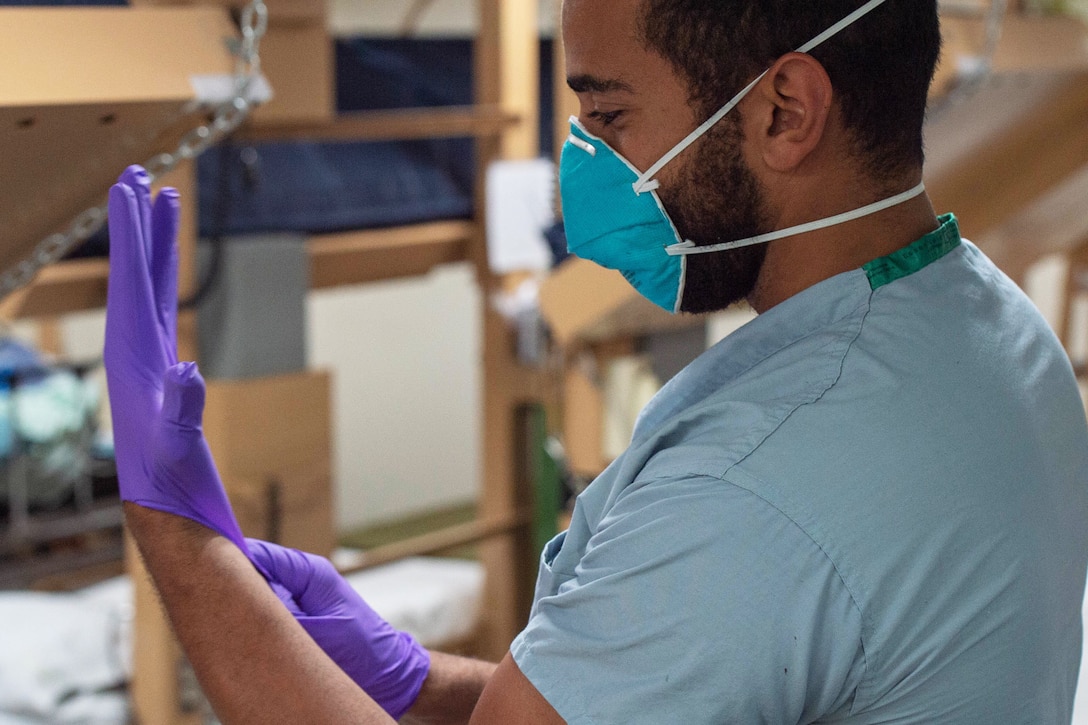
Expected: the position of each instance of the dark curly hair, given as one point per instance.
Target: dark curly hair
(880, 67)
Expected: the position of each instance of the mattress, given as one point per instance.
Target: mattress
(66, 656)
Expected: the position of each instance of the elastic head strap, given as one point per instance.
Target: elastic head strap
(646, 181)
(689, 247)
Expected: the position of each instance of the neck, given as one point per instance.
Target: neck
(797, 263)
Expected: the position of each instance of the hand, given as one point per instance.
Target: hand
(163, 461)
(388, 665)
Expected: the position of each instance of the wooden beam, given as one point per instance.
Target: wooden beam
(393, 125)
(1054, 224)
(1028, 44)
(335, 259)
(987, 188)
(379, 254)
(435, 542)
(506, 58)
(60, 289)
(507, 64)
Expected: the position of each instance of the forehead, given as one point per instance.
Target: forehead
(602, 42)
(601, 36)
(616, 19)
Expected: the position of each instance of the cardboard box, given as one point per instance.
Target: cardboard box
(271, 439)
(296, 58)
(298, 61)
(85, 93)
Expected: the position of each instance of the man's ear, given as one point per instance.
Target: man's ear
(796, 97)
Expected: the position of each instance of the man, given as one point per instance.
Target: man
(868, 505)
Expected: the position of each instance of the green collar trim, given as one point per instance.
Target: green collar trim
(919, 254)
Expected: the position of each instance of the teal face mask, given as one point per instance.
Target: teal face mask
(614, 217)
(609, 224)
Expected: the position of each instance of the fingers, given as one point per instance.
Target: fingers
(136, 339)
(129, 296)
(289, 567)
(164, 266)
(137, 179)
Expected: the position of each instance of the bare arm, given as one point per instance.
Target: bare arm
(450, 692)
(254, 661)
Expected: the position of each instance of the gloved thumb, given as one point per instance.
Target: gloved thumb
(179, 436)
(183, 396)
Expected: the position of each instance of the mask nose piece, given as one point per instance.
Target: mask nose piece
(582, 144)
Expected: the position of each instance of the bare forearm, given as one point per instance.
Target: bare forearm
(253, 660)
(450, 692)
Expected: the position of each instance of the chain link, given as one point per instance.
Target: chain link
(228, 116)
(977, 75)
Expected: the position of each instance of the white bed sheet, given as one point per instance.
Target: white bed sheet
(65, 658)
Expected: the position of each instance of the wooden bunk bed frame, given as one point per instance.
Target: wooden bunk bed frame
(503, 122)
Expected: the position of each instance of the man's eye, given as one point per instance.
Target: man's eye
(605, 118)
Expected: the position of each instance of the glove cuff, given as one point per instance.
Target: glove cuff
(411, 672)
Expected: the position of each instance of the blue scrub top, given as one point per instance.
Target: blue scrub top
(868, 505)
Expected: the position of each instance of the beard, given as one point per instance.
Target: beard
(716, 199)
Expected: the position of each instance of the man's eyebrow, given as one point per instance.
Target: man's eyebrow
(593, 84)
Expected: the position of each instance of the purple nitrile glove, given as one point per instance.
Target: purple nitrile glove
(388, 664)
(163, 461)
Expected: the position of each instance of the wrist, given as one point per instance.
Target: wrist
(450, 691)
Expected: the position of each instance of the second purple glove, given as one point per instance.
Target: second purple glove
(389, 665)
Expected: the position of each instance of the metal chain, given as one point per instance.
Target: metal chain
(228, 116)
(982, 70)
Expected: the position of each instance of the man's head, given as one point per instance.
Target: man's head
(649, 71)
(880, 67)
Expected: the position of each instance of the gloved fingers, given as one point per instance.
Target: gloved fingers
(136, 178)
(132, 330)
(261, 554)
(164, 267)
(291, 568)
(282, 593)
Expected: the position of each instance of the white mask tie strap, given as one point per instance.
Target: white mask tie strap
(644, 182)
(689, 247)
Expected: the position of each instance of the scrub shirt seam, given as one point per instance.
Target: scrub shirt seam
(810, 333)
(724, 477)
(789, 343)
(867, 306)
(641, 434)
(834, 565)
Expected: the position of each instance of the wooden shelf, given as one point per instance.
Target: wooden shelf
(584, 303)
(1011, 160)
(60, 289)
(392, 125)
(335, 259)
(381, 254)
(70, 122)
(1008, 149)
